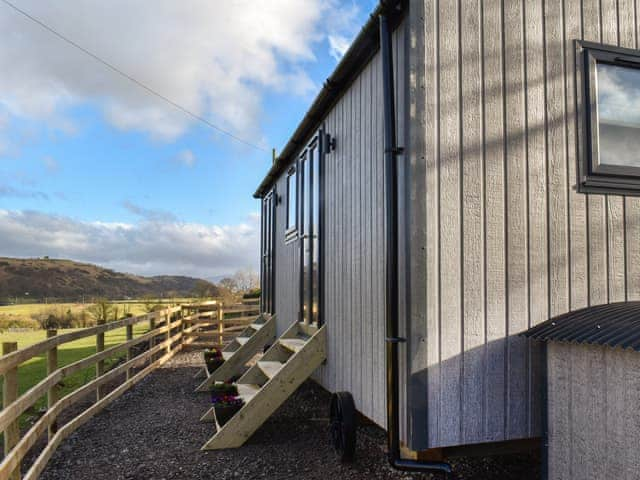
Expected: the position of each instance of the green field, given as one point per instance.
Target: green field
(28, 309)
(34, 370)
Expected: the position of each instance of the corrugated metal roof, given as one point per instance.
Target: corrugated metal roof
(612, 324)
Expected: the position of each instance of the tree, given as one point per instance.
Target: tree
(203, 289)
(229, 284)
(101, 310)
(246, 280)
(150, 304)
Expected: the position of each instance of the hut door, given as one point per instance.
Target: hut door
(267, 281)
(310, 233)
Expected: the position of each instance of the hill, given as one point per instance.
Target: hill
(66, 279)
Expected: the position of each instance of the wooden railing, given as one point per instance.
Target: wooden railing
(168, 331)
(216, 323)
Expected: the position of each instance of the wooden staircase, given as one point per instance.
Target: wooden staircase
(243, 348)
(267, 384)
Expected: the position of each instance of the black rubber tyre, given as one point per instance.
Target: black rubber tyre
(342, 426)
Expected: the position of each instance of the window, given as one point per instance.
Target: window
(292, 203)
(610, 160)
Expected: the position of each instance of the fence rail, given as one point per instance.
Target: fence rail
(213, 321)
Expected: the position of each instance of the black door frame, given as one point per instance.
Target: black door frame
(268, 253)
(316, 144)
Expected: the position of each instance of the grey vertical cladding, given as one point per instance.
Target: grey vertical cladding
(593, 423)
(499, 238)
(354, 239)
(287, 265)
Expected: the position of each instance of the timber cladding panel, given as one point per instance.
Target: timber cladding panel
(499, 239)
(594, 428)
(286, 265)
(354, 240)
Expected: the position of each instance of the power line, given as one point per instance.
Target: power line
(130, 78)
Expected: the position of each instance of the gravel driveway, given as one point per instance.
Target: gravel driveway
(153, 432)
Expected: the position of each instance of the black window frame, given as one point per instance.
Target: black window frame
(291, 231)
(594, 177)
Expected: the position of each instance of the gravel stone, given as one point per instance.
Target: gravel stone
(153, 432)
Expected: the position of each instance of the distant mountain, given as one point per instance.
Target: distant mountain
(66, 279)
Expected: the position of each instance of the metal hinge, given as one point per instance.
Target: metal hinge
(395, 151)
(395, 340)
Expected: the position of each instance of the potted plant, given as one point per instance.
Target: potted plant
(213, 359)
(221, 389)
(226, 407)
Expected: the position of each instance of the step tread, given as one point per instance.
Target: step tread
(257, 326)
(242, 340)
(293, 344)
(247, 389)
(227, 355)
(270, 368)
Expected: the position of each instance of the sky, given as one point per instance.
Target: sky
(619, 120)
(96, 169)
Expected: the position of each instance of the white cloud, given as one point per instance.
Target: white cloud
(186, 158)
(214, 58)
(338, 45)
(148, 248)
(51, 164)
(8, 191)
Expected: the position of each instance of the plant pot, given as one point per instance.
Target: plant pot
(208, 355)
(225, 412)
(224, 389)
(213, 364)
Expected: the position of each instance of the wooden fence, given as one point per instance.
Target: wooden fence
(170, 330)
(217, 324)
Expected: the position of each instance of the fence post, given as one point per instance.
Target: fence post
(9, 395)
(152, 340)
(168, 331)
(100, 364)
(181, 313)
(129, 350)
(220, 324)
(52, 394)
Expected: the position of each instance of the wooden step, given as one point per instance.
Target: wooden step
(270, 369)
(247, 389)
(284, 379)
(227, 355)
(236, 355)
(293, 344)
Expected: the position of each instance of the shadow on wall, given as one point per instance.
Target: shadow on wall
(482, 395)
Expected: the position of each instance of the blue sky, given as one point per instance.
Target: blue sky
(94, 168)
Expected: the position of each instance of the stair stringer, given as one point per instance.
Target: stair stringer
(273, 393)
(233, 365)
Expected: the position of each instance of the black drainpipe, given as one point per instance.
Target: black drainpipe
(391, 150)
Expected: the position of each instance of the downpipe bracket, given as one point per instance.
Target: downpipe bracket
(395, 340)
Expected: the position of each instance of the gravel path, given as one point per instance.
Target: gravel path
(153, 432)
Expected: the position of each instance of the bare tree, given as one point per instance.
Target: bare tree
(150, 304)
(229, 284)
(101, 310)
(246, 280)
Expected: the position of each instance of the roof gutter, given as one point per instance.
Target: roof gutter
(362, 49)
(391, 152)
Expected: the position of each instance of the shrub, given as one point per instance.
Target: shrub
(255, 293)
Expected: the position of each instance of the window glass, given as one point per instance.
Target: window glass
(291, 200)
(618, 97)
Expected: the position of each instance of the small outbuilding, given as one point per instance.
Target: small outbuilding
(593, 392)
(470, 170)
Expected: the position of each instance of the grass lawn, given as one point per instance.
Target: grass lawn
(27, 309)
(34, 370)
